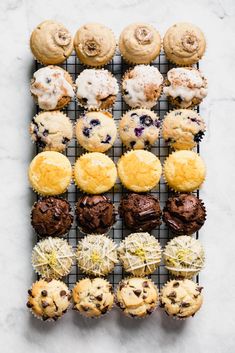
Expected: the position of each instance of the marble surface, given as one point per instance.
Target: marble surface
(212, 330)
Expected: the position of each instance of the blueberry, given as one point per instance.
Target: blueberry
(199, 136)
(138, 131)
(146, 120)
(48, 80)
(157, 123)
(95, 122)
(107, 139)
(41, 143)
(86, 131)
(45, 132)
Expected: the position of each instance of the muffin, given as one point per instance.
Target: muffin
(181, 298)
(52, 88)
(48, 299)
(52, 258)
(96, 131)
(184, 44)
(139, 128)
(50, 173)
(184, 171)
(185, 87)
(95, 173)
(137, 297)
(139, 170)
(95, 214)
(182, 129)
(51, 131)
(96, 255)
(93, 297)
(184, 256)
(140, 254)
(96, 89)
(94, 44)
(51, 216)
(51, 43)
(139, 43)
(140, 212)
(184, 214)
(142, 86)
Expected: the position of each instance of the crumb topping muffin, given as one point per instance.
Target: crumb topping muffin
(96, 131)
(139, 128)
(142, 86)
(51, 131)
(52, 258)
(140, 254)
(95, 173)
(137, 297)
(184, 214)
(51, 216)
(48, 299)
(94, 44)
(50, 173)
(184, 44)
(52, 87)
(51, 43)
(96, 255)
(181, 298)
(139, 43)
(139, 170)
(182, 129)
(185, 87)
(96, 89)
(184, 171)
(93, 297)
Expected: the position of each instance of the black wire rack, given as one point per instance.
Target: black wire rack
(161, 150)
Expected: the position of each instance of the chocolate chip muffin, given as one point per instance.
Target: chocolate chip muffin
(48, 299)
(181, 299)
(95, 214)
(184, 214)
(137, 297)
(93, 297)
(51, 216)
(140, 212)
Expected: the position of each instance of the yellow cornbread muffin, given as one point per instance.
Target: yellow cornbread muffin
(50, 173)
(139, 170)
(184, 171)
(95, 173)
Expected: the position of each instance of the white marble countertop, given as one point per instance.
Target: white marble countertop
(212, 330)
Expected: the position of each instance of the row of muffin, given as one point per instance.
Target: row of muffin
(52, 87)
(95, 44)
(96, 131)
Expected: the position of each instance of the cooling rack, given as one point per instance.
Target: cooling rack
(161, 150)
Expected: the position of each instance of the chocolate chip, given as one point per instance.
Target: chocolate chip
(99, 297)
(184, 305)
(199, 136)
(64, 311)
(43, 208)
(146, 143)
(86, 132)
(62, 293)
(44, 317)
(132, 143)
(177, 113)
(45, 132)
(55, 318)
(146, 120)
(176, 284)
(107, 139)
(144, 296)
(150, 311)
(199, 289)
(125, 92)
(65, 141)
(137, 292)
(134, 114)
(48, 80)
(30, 292)
(95, 122)
(83, 100)
(145, 284)
(171, 295)
(44, 293)
(29, 305)
(84, 308)
(97, 305)
(138, 131)
(44, 304)
(104, 310)
(122, 285)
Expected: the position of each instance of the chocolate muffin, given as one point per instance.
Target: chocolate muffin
(51, 216)
(140, 212)
(95, 214)
(184, 214)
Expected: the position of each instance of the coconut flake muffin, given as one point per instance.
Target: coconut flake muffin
(96, 131)
(139, 128)
(185, 87)
(95, 173)
(94, 44)
(139, 170)
(182, 129)
(184, 44)
(96, 89)
(50, 173)
(52, 258)
(52, 88)
(181, 298)
(139, 43)
(51, 131)
(184, 171)
(184, 256)
(93, 297)
(51, 43)
(140, 254)
(96, 255)
(48, 299)
(142, 86)
(137, 297)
